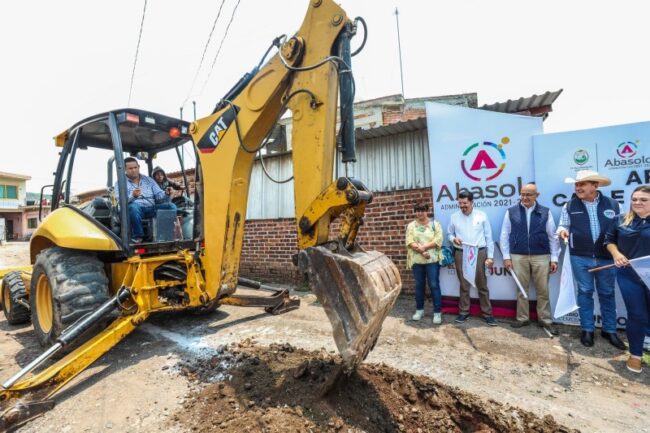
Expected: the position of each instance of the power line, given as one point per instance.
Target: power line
(214, 61)
(137, 50)
(205, 49)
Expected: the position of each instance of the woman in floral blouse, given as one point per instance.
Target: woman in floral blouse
(423, 245)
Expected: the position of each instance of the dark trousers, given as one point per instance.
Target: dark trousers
(480, 283)
(137, 213)
(637, 301)
(423, 274)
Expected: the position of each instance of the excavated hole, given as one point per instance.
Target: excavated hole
(245, 387)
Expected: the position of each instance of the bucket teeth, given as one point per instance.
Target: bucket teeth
(357, 291)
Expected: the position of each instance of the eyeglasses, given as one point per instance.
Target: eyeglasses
(528, 194)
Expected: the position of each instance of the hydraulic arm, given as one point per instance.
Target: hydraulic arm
(356, 288)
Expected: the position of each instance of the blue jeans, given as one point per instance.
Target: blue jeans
(423, 274)
(137, 213)
(637, 301)
(604, 283)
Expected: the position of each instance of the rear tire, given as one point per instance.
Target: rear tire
(66, 285)
(13, 288)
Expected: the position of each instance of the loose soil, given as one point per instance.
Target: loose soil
(280, 389)
(155, 378)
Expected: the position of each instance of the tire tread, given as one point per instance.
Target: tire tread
(13, 282)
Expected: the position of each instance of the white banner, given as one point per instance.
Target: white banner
(566, 300)
(470, 257)
(490, 155)
(620, 152)
(642, 268)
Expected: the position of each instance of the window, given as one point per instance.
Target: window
(32, 223)
(8, 191)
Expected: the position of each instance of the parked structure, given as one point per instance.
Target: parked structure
(18, 208)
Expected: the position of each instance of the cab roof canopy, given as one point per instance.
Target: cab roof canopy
(140, 131)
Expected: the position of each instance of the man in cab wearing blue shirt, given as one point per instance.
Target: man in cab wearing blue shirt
(145, 197)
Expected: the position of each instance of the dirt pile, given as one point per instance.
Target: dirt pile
(284, 389)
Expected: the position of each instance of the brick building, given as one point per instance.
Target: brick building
(392, 161)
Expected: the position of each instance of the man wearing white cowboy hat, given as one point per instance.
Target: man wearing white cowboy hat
(583, 222)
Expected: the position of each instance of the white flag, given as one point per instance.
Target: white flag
(470, 257)
(641, 266)
(566, 300)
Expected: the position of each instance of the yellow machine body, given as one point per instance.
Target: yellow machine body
(66, 228)
(357, 288)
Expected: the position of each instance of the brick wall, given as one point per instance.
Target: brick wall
(399, 115)
(268, 247)
(269, 244)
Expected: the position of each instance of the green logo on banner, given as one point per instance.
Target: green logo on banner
(581, 157)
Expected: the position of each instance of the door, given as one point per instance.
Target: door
(9, 230)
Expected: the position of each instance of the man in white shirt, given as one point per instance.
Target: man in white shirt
(471, 227)
(530, 249)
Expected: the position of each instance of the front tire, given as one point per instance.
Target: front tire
(13, 289)
(66, 285)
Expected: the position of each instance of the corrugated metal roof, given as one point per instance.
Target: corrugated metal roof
(389, 162)
(392, 162)
(523, 104)
(392, 129)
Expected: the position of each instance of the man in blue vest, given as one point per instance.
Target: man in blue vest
(583, 223)
(530, 249)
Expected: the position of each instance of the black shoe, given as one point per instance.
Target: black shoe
(587, 338)
(462, 318)
(519, 324)
(613, 340)
(490, 321)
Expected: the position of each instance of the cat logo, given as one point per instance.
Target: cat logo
(217, 130)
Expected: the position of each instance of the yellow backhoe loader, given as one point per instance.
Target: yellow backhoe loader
(90, 284)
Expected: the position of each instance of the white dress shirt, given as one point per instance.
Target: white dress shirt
(473, 229)
(553, 240)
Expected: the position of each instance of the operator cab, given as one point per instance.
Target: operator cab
(91, 177)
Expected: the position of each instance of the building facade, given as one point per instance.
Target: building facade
(18, 208)
(392, 161)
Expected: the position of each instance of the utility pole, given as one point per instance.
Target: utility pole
(399, 47)
(182, 147)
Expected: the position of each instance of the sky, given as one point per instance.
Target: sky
(63, 61)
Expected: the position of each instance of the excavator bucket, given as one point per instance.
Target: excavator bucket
(357, 291)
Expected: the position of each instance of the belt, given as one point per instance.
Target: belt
(460, 249)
